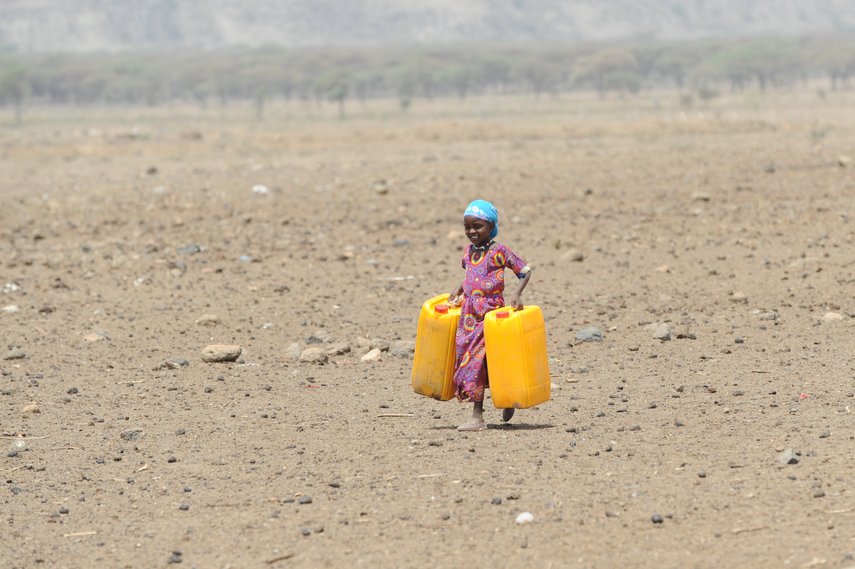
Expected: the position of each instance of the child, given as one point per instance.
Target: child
(481, 291)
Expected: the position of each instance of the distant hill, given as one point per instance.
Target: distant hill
(117, 25)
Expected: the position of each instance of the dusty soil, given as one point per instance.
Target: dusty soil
(730, 224)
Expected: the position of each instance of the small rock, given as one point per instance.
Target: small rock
(702, 473)
(15, 354)
(338, 349)
(844, 161)
(97, 336)
(9, 309)
(656, 519)
(132, 434)
(380, 344)
(573, 256)
(788, 457)
(700, 197)
(19, 445)
(825, 434)
(662, 332)
(402, 348)
(374, 355)
(184, 507)
(314, 355)
(319, 336)
(174, 363)
(525, 518)
(663, 269)
(190, 249)
(496, 501)
(589, 334)
(819, 494)
(220, 353)
(738, 297)
(208, 320)
(832, 317)
(303, 500)
(361, 345)
(293, 351)
(31, 408)
(73, 391)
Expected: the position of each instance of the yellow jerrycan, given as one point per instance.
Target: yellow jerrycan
(517, 364)
(433, 364)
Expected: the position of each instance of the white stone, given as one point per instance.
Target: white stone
(525, 518)
(375, 355)
(221, 353)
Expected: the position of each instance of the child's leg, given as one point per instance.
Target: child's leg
(476, 422)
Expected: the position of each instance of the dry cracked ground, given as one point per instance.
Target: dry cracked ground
(131, 240)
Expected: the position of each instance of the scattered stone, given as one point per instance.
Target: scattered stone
(361, 345)
(174, 363)
(662, 332)
(380, 344)
(73, 391)
(635, 428)
(338, 349)
(702, 473)
(589, 334)
(63, 510)
(15, 354)
(739, 340)
(844, 161)
(374, 355)
(19, 445)
(293, 351)
(184, 507)
(220, 353)
(175, 558)
(825, 434)
(663, 269)
(573, 256)
(819, 494)
(132, 434)
(32, 408)
(832, 317)
(738, 296)
(190, 249)
(10, 309)
(96, 336)
(319, 336)
(525, 518)
(496, 501)
(303, 500)
(314, 355)
(788, 457)
(656, 519)
(610, 514)
(402, 348)
(208, 320)
(700, 197)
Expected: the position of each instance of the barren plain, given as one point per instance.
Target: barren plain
(130, 238)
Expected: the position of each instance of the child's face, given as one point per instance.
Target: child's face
(477, 230)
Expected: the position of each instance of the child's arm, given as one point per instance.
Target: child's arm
(515, 296)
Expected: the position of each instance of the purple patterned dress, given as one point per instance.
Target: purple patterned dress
(482, 292)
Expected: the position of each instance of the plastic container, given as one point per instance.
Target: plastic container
(516, 357)
(433, 364)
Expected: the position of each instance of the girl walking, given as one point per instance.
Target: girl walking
(482, 290)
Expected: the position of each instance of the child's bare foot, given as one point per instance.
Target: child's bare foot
(473, 424)
(507, 414)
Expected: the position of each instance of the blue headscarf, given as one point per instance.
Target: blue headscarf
(483, 209)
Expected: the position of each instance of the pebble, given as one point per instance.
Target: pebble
(788, 457)
(374, 355)
(361, 345)
(208, 320)
(832, 317)
(319, 336)
(73, 391)
(293, 351)
(184, 507)
(19, 445)
(132, 434)
(31, 408)
(825, 434)
(174, 363)
(589, 334)
(10, 308)
(525, 518)
(303, 500)
(190, 249)
(63, 510)
(93, 337)
(573, 256)
(402, 348)
(338, 349)
(656, 519)
(496, 501)
(379, 344)
(221, 353)
(174, 558)
(314, 355)
(662, 332)
(738, 296)
(702, 474)
(306, 532)
(15, 354)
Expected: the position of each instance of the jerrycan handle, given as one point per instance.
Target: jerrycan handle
(441, 308)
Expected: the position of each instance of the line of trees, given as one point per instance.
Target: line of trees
(339, 75)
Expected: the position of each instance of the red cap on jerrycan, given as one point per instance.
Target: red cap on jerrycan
(441, 308)
(503, 314)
